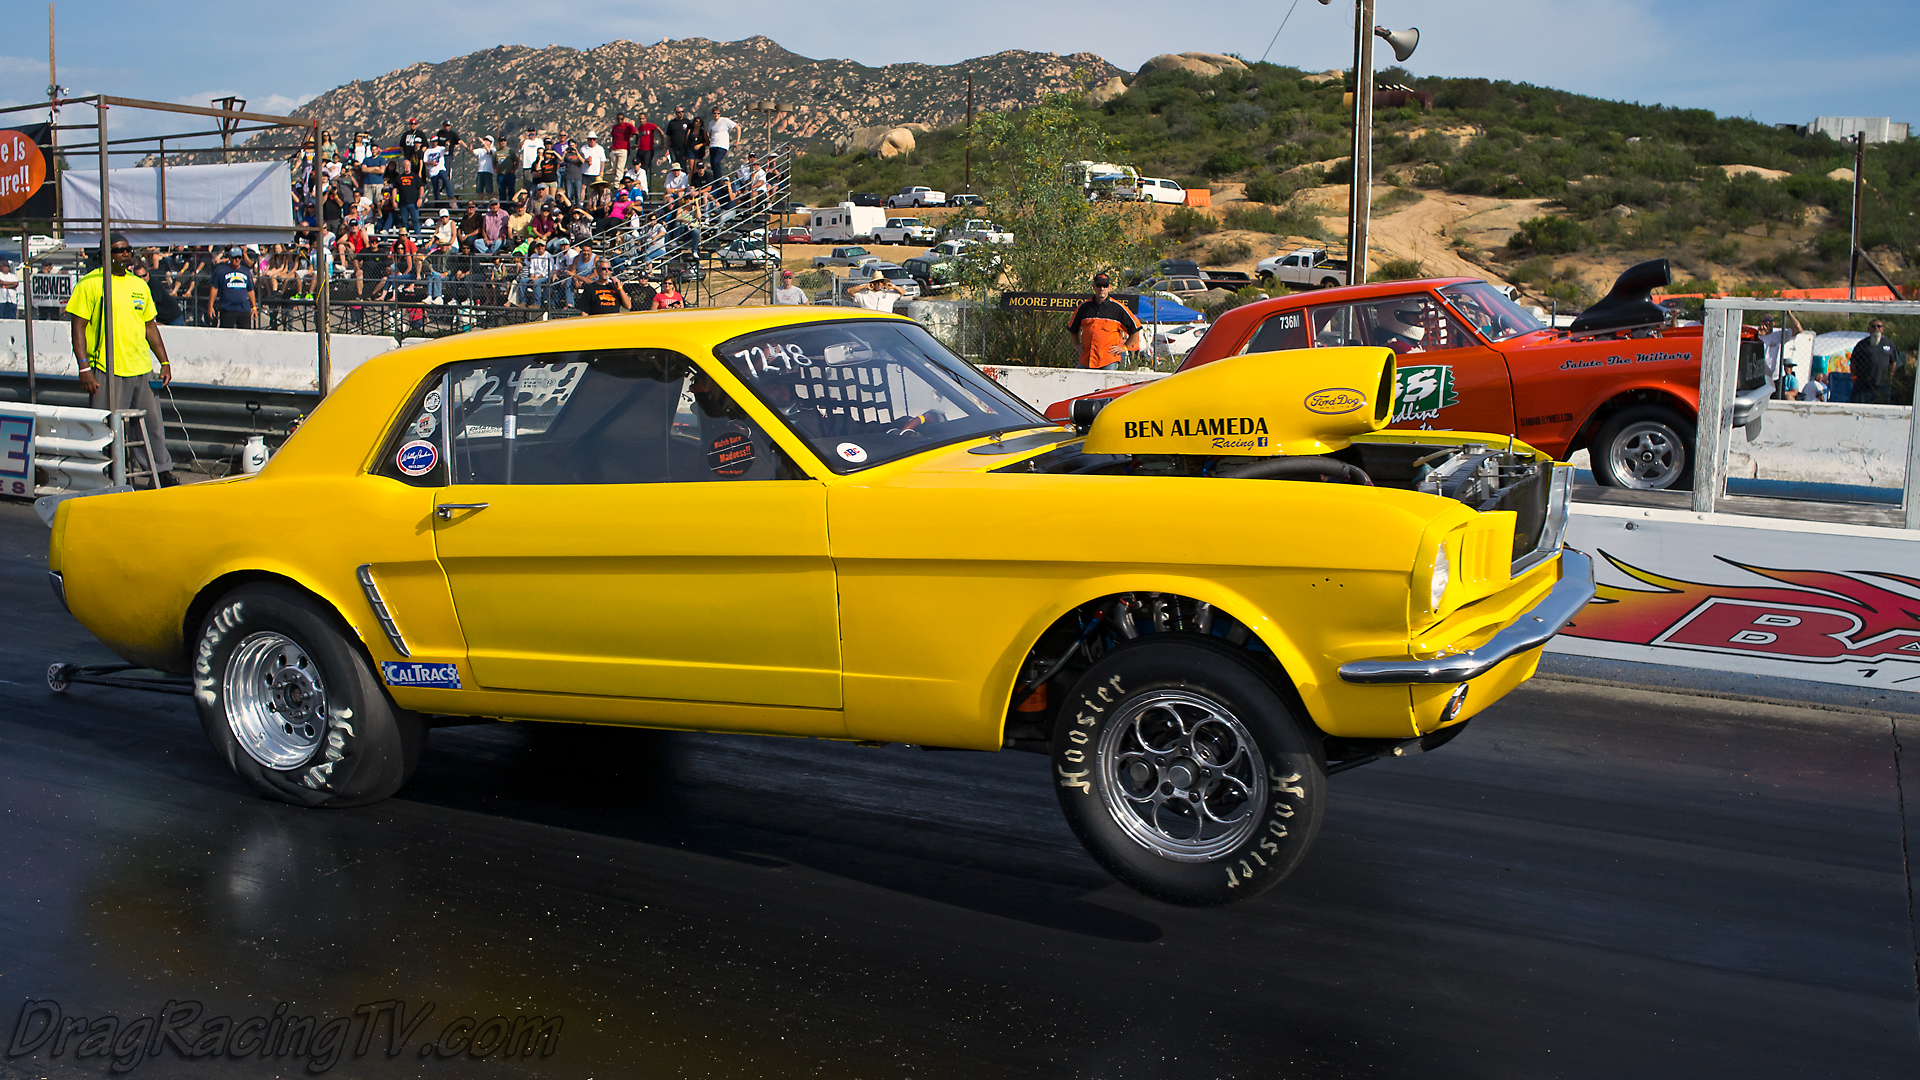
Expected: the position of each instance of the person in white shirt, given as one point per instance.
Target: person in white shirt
(1816, 388)
(720, 135)
(1775, 343)
(484, 162)
(435, 160)
(530, 148)
(9, 290)
(788, 292)
(676, 179)
(596, 156)
(878, 294)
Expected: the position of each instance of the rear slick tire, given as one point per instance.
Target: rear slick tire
(1182, 771)
(292, 705)
(1644, 447)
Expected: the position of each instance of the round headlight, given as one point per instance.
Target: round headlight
(1437, 585)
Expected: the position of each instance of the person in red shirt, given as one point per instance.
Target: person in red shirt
(651, 139)
(1104, 327)
(619, 142)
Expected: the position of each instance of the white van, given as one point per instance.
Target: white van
(1162, 190)
(845, 222)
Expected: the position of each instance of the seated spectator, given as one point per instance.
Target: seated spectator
(669, 296)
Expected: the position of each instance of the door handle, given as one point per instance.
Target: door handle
(445, 510)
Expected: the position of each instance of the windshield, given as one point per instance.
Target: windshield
(869, 391)
(1490, 311)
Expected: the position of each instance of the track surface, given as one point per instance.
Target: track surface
(1594, 880)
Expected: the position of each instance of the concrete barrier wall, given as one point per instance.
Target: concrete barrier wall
(1042, 386)
(1796, 599)
(259, 359)
(1803, 441)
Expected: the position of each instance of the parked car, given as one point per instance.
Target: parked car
(904, 230)
(845, 256)
(935, 270)
(1163, 191)
(824, 524)
(916, 196)
(793, 234)
(1177, 341)
(1304, 266)
(792, 208)
(741, 253)
(899, 275)
(979, 229)
(1180, 288)
(966, 199)
(866, 198)
(1234, 280)
(1621, 382)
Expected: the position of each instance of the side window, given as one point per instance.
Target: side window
(1405, 324)
(1282, 330)
(625, 416)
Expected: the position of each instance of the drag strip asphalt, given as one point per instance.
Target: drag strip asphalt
(1594, 880)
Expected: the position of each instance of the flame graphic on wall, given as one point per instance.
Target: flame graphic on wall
(1817, 616)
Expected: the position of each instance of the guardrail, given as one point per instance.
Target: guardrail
(1724, 317)
(69, 448)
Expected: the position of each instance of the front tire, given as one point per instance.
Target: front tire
(292, 705)
(1183, 773)
(1646, 447)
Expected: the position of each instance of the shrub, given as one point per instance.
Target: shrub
(812, 279)
(1231, 252)
(1226, 162)
(1550, 236)
(1281, 222)
(1185, 223)
(1399, 270)
(1278, 187)
(1396, 199)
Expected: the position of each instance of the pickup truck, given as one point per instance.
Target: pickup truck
(1622, 382)
(903, 230)
(845, 256)
(934, 269)
(1306, 266)
(980, 229)
(916, 196)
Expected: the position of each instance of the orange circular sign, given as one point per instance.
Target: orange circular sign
(23, 168)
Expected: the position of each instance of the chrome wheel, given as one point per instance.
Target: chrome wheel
(276, 701)
(1647, 455)
(1181, 775)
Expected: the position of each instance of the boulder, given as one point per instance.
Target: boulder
(1107, 91)
(1200, 63)
(880, 140)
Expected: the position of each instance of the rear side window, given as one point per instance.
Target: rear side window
(1282, 330)
(622, 416)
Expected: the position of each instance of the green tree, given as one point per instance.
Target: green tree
(1060, 240)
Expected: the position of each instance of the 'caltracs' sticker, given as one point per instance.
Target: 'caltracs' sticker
(1336, 400)
(851, 452)
(417, 458)
(427, 676)
(731, 454)
(432, 401)
(424, 425)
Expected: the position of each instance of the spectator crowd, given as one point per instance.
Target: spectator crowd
(553, 216)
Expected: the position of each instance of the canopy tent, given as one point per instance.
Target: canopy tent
(248, 202)
(1160, 309)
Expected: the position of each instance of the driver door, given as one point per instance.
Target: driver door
(1448, 378)
(615, 526)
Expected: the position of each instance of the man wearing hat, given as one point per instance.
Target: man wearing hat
(1104, 328)
(642, 291)
(232, 300)
(413, 141)
(878, 294)
(676, 179)
(135, 343)
(788, 292)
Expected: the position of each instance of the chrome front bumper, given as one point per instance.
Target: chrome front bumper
(1528, 632)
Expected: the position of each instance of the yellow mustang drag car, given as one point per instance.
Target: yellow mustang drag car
(1200, 601)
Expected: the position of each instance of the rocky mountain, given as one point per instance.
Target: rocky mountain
(513, 87)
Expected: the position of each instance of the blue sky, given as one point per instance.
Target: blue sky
(1773, 60)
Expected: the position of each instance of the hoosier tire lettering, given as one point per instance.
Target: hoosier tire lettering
(1183, 773)
(289, 700)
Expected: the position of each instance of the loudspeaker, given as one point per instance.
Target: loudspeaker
(1403, 41)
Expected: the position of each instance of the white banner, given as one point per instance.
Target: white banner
(1795, 599)
(244, 202)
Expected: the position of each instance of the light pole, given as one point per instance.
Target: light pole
(1360, 194)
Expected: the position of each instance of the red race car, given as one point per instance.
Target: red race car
(1621, 382)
